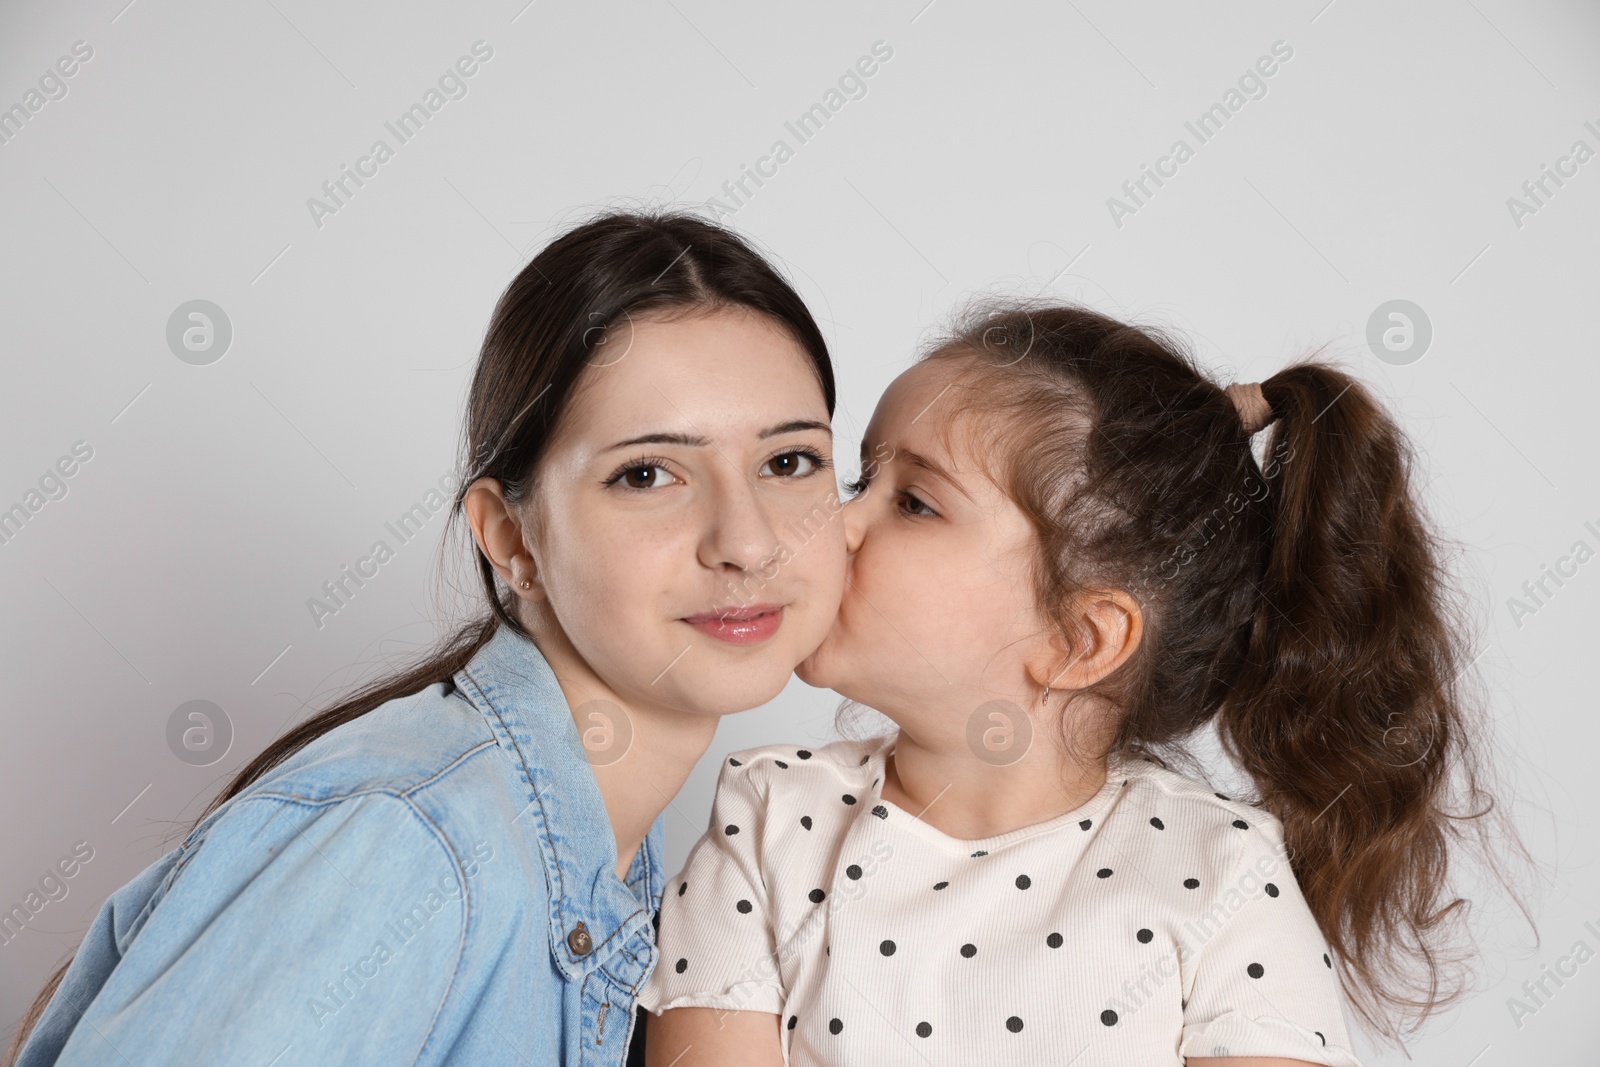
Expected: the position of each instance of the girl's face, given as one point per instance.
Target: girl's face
(687, 536)
(937, 615)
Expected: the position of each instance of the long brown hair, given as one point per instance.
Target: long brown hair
(554, 320)
(1301, 605)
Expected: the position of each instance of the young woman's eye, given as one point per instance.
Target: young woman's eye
(857, 487)
(644, 474)
(910, 503)
(795, 464)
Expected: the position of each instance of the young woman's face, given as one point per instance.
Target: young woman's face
(689, 540)
(938, 599)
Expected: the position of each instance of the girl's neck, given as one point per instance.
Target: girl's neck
(969, 799)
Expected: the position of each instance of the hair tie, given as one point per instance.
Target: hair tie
(1255, 411)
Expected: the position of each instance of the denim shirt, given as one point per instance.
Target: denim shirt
(432, 883)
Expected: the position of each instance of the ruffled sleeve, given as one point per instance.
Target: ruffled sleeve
(716, 944)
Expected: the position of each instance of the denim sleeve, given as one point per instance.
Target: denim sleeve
(297, 932)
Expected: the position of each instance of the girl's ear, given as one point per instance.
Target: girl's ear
(1109, 626)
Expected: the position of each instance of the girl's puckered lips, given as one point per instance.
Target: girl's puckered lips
(739, 625)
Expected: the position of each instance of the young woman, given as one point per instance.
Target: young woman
(1065, 560)
(459, 865)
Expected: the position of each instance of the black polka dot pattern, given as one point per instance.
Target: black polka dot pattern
(1129, 905)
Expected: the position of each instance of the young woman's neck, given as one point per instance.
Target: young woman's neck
(661, 745)
(969, 799)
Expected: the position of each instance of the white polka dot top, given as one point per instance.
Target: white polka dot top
(1158, 921)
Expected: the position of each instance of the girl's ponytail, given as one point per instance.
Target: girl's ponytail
(1347, 708)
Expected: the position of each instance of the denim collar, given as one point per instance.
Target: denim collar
(562, 815)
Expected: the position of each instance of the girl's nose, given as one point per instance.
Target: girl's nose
(855, 520)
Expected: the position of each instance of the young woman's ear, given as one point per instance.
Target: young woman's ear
(1108, 628)
(498, 531)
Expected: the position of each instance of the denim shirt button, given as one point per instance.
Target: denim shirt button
(579, 941)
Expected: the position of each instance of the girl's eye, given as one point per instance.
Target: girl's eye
(910, 504)
(796, 464)
(857, 487)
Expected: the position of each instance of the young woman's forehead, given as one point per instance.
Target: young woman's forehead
(724, 373)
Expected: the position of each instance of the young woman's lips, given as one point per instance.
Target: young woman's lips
(741, 626)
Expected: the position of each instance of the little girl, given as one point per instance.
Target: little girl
(1065, 559)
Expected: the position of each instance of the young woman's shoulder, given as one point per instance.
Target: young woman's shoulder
(421, 778)
(345, 887)
(403, 742)
(387, 847)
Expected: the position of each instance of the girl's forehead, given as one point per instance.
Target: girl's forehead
(915, 392)
(932, 402)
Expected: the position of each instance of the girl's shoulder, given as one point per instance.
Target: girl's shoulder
(844, 760)
(1187, 807)
(1191, 793)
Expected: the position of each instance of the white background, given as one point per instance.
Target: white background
(219, 498)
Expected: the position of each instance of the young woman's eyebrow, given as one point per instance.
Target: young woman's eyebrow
(697, 441)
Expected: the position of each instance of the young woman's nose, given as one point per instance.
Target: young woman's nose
(739, 531)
